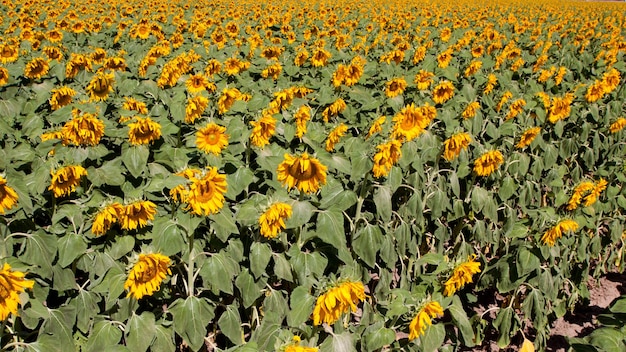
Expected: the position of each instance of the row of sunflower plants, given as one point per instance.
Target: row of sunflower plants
(332, 177)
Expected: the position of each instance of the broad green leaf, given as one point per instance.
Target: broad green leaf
(238, 181)
(163, 340)
(378, 338)
(86, 304)
(301, 303)
(382, 199)
(40, 250)
(461, 321)
(230, 324)
(167, 236)
(56, 331)
(224, 224)
(140, 331)
(308, 266)
(526, 262)
(330, 228)
(301, 214)
(260, 255)
(608, 339)
(71, 246)
(433, 338)
(219, 271)
(135, 158)
(503, 324)
(103, 336)
(249, 288)
(282, 268)
(191, 317)
(366, 244)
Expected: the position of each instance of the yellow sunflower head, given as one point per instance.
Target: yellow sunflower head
(147, 274)
(305, 173)
(206, 193)
(12, 283)
(83, 129)
(36, 68)
(61, 97)
(65, 180)
(8, 196)
(272, 221)
(212, 139)
(100, 86)
(143, 131)
(137, 214)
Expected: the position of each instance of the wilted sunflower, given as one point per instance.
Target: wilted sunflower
(395, 87)
(65, 180)
(262, 131)
(411, 121)
(8, 196)
(376, 127)
(61, 97)
(106, 217)
(206, 193)
(492, 80)
(598, 188)
(100, 86)
(115, 64)
(272, 71)
(302, 116)
(12, 283)
(333, 109)
(82, 129)
(147, 274)
(137, 214)
(487, 163)
(473, 67)
(553, 234)
(560, 108)
(595, 91)
(227, 99)
(234, 66)
(8, 53)
(36, 68)
(515, 109)
(295, 347)
(301, 58)
(461, 275)
(272, 221)
(143, 131)
(336, 301)
(423, 319)
(305, 173)
(212, 139)
(470, 110)
(320, 57)
(443, 92)
(196, 83)
(132, 104)
(334, 135)
(4, 76)
(618, 125)
(76, 63)
(528, 137)
(388, 155)
(454, 145)
(195, 107)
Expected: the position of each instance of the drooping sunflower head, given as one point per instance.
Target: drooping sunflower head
(132, 104)
(454, 145)
(388, 155)
(212, 139)
(206, 193)
(61, 97)
(12, 283)
(305, 173)
(196, 84)
(147, 274)
(262, 130)
(423, 319)
(106, 217)
(411, 121)
(66, 179)
(487, 163)
(100, 86)
(195, 107)
(8, 196)
(83, 129)
(443, 92)
(395, 87)
(4, 76)
(36, 68)
(137, 214)
(461, 275)
(143, 131)
(337, 300)
(272, 221)
(8, 53)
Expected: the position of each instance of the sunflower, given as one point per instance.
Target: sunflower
(423, 319)
(395, 87)
(36, 68)
(595, 91)
(301, 58)
(579, 192)
(333, 109)
(443, 59)
(8, 53)
(473, 67)
(76, 63)
(195, 107)
(487, 163)
(302, 116)
(8, 196)
(100, 86)
(273, 220)
(528, 137)
(61, 97)
(492, 80)
(272, 52)
(610, 80)
(137, 214)
(419, 55)
(143, 131)
(196, 84)
(505, 97)
(213, 67)
(618, 125)
(320, 57)
(376, 127)
(234, 66)
(82, 129)
(106, 217)
(12, 283)
(461, 276)
(206, 193)
(560, 108)
(147, 275)
(595, 192)
(411, 121)
(227, 99)
(443, 92)
(470, 110)
(98, 56)
(4, 76)
(132, 104)
(334, 135)
(65, 180)
(515, 109)
(454, 145)
(556, 232)
(54, 36)
(305, 173)
(272, 71)
(115, 64)
(295, 347)
(338, 300)
(388, 155)
(262, 130)
(212, 139)
(423, 79)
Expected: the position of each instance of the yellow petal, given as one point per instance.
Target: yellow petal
(527, 346)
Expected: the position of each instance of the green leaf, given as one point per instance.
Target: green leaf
(526, 262)
(163, 340)
(382, 199)
(507, 189)
(503, 324)
(167, 236)
(366, 244)
(230, 324)
(301, 214)
(608, 340)
(343, 342)
(191, 317)
(249, 288)
(282, 268)
(40, 250)
(219, 271)
(121, 246)
(433, 338)
(619, 305)
(86, 304)
(135, 158)
(260, 255)
(140, 331)
(308, 266)
(71, 246)
(301, 303)
(460, 319)
(224, 224)
(378, 338)
(330, 228)
(56, 331)
(103, 336)
(238, 181)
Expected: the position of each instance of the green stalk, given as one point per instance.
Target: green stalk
(190, 267)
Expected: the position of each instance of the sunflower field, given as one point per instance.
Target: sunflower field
(322, 176)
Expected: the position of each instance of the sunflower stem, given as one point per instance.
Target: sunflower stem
(190, 275)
